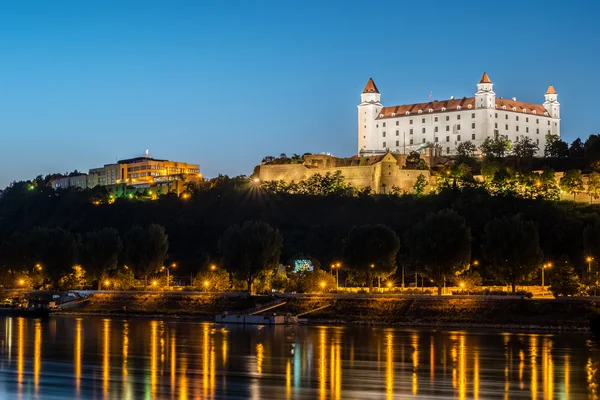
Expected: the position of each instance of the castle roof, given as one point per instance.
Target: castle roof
(485, 78)
(464, 104)
(550, 90)
(370, 87)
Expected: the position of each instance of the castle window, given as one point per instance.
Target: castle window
(447, 118)
(381, 115)
(524, 110)
(526, 119)
(435, 129)
(514, 108)
(422, 120)
(377, 126)
(555, 124)
(548, 123)
(383, 144)
(496, 125)
(469, 107)
(496, 115)
(526, 129)
(435, 119)
(397, 143)
(423, 141)
(537, 120)
(458, 107)
(548, 131)
(384, 124)
(411, 131)
(537, 131)
(506, 116)
(473, 136)
(443, 108)
(458, 116)
(393, 114)
(517, 128)
(496, 132)
(506, 126)
(537, 141)
(447, 150)
(458, 138)
(431, 110)
(447, 128)
(383, 134)
(517, 117)
(397, 123)
(397, 132)
(410, 122)
(420, 111)
(435, 139)
(447, 138)
(473, 125)
(472, 115)
(504, 107)
(546, 113)
(408, 112)
(458, 127)
(411, 141)
(534, 112)
(423, 130)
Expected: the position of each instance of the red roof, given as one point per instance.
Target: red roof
(550, 90)
(452, 105)
(485, 78)
(371, 88)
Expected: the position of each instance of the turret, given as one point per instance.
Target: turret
(485, 96)
(551, 103)
(368, 110)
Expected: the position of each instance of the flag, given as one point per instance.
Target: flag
(430, 95)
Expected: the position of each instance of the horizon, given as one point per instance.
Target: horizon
(85, 84)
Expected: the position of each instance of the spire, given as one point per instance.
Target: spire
(371, 88)
(485, 78)
(550, 90)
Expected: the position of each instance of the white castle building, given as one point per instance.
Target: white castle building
(447, 123)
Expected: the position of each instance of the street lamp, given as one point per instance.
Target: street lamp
(168, 280)
(337, 274)
(322, 285)
(547, 265)
(589, 261)
(213, 267)
(106, 283)
(154, 283)
(21, 282)
(206, 283)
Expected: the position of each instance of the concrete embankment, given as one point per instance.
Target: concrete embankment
(448, 311)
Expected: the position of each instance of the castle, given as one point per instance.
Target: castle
(447, 123)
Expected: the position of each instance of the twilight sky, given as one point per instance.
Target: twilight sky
(224, 83)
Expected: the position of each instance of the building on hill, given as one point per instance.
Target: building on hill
(379, 172)
(76, 180)
(447, 123)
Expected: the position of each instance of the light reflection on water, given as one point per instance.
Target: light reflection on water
(104, 358)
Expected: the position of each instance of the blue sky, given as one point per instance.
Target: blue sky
(222, 84)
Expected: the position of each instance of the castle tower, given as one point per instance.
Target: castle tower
(368, 109)
(551, 103)
(485, 96)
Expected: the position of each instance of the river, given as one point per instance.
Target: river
(100, 358)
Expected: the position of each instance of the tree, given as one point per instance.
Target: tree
(593, 185)
(55, 249)
(511, 245)
(591, 239)
(146, 250)
(100, 253)
(565, 281)
(75, 280)
(465, 152)
(576, 151)
(555, 148)
(250, 249)
(525, 147)
(414, 161)
(495, 147)
(420, 184)
(370, 250)
(572, 182)
(440, 246)
(217, 280)
(592, 148)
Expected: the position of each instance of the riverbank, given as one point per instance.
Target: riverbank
(449, 311)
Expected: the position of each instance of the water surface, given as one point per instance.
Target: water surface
(99, 358)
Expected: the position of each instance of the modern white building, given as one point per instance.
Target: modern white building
(447, 123)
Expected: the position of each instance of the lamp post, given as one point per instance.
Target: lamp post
(589, 261)
(337, 267)
(547, 265)
(168, 280)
